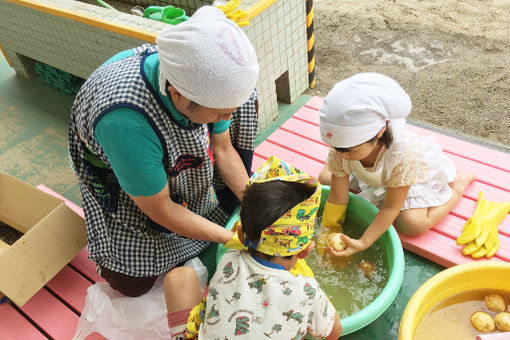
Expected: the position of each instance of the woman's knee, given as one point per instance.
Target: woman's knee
(131, 286)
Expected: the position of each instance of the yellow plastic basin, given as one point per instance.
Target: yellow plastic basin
(454, 280)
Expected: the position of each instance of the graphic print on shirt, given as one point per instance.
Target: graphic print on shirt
(214, 293)
(290, 314)
(229, 273)
(258, 284)
(309, 291)
(242, 325)
(276, 328)
(236, 296)
(241, 319)
(286, 290)
(228, 270)
(185, 162)
(299, 335)
(213, 317)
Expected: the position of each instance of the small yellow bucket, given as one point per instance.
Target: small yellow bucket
(454, 280)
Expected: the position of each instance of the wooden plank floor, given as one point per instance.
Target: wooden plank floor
(53, 313)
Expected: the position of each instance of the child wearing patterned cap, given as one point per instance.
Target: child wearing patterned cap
(256, 290)
(408, 178)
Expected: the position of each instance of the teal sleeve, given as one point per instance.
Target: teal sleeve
(221, 126)
(119, 56)
(134, 151)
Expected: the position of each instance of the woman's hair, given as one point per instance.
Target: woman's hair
(192, 106)
(386, 138)
(264, 203)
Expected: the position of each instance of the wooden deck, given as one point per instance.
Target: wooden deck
(55, 310)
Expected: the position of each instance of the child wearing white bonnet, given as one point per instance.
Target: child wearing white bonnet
(408, 178)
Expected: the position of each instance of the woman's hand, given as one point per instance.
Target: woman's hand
(353, 246)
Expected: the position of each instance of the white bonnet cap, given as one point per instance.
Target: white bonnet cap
(357, 108)
(208, 59)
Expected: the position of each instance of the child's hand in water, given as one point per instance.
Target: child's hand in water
(353, 246)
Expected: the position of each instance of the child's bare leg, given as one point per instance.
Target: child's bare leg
(325, 176)
(182, 293)
(418, 221)
(182, 289)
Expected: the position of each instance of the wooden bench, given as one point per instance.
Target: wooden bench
(55, 310)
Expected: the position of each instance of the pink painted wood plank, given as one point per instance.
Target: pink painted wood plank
(315, 102)
(70, 204)
(311, 167)
(51, 315)
(474, 151)
(305, 130)
(490, 192)
(299, 145)
(71, 287)
(13, 325)
(308, 115)
(256, 162)
(440, 249)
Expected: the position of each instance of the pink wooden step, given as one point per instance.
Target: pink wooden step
(50, 314)
(14, 325)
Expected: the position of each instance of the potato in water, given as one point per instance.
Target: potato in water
(503, 321)
(495, 303)
(335, 241)
(483, 322)
(367, 268)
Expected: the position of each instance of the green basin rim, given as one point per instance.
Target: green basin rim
(396, 265)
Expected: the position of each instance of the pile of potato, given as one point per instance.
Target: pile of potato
(484, 322)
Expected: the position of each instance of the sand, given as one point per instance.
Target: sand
(452, 57)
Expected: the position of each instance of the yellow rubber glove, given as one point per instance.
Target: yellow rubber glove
(234, 243)
(333, 216)
(234, 14)
(481, 230)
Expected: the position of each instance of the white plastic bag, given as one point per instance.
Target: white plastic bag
(200, 269)
(116, 316)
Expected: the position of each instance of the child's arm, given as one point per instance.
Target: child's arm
(337, 329)
(393, 202)
(339, 193)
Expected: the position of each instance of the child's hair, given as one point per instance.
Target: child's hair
(386, 138)
(264, 203)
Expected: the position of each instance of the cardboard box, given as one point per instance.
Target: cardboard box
(52, 236)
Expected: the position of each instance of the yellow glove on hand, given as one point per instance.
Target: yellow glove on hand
(480, 234)
(333, 216)
(234, 242)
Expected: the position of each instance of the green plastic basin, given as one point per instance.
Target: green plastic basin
(389, 242)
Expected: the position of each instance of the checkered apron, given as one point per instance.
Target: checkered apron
(121, 237)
